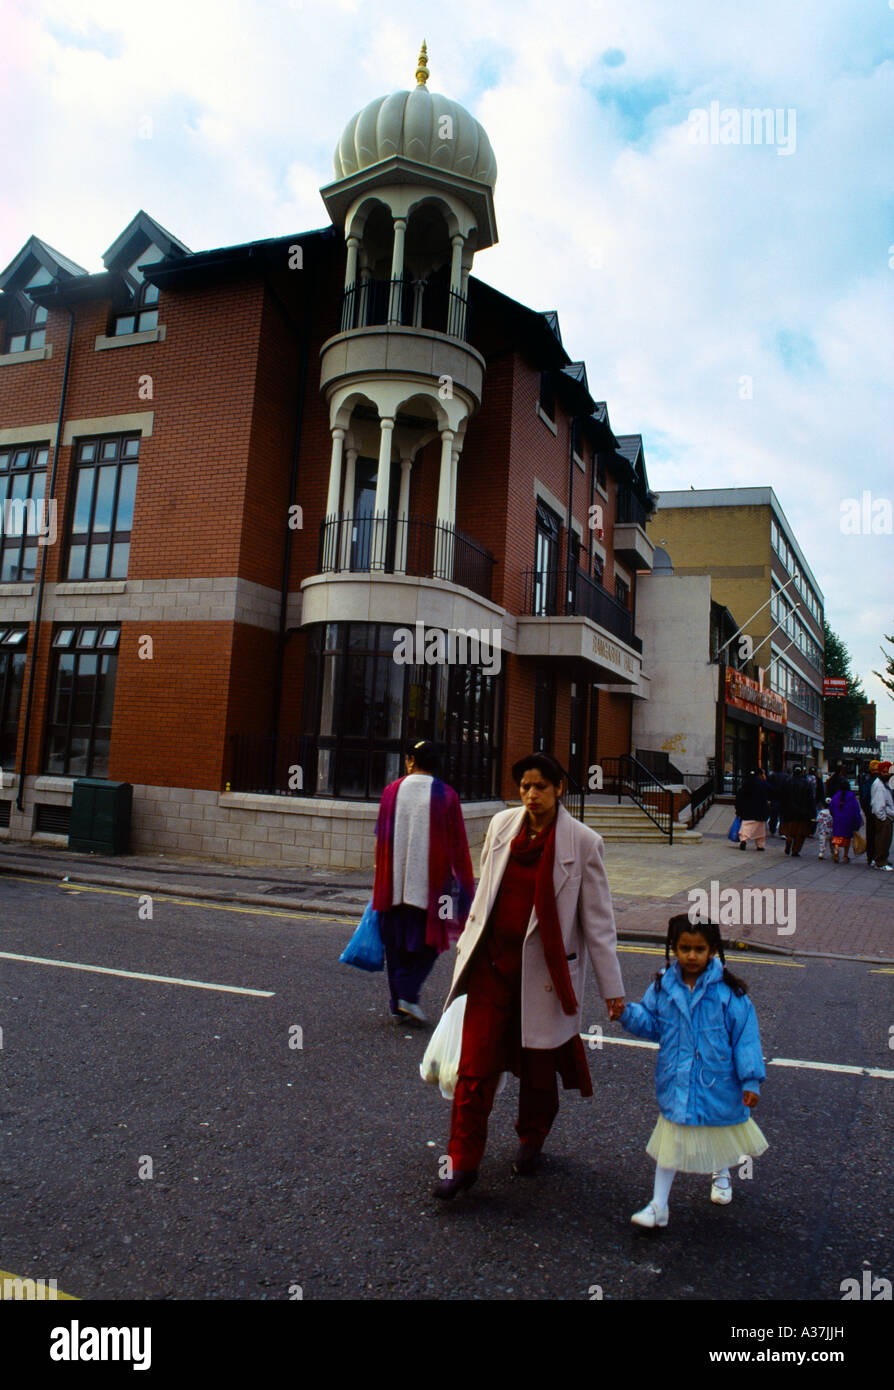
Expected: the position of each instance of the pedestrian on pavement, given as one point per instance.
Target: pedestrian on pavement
(882, 806)
(543, 901)
(836, 781)
(775, 783)
(797, 809)
(821, 793)
(424, 880)
(752, 805)
(709, 1067)
(823, 829)
(866, 782)
(846, 821)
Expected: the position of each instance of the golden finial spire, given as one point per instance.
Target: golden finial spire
(422, 70)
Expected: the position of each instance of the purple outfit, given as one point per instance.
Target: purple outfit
(846, 815)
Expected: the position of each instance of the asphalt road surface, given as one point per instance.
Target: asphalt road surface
(280, 1171)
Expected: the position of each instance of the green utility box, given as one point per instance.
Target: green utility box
(100, 816)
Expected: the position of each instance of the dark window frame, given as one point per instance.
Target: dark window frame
(115, 536)
(106, 657)
(35, 467)
(13, 661)
(26, 319)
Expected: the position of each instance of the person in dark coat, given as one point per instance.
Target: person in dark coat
(775, 783)
(866, 805)
(798, 810)
(837, 781)
(752, 804)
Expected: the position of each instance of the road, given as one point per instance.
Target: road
(278, 1169)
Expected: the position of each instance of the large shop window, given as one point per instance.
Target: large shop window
(362, 709)
(23, 515)
(79, 730)
(13, 641)
(102, 516)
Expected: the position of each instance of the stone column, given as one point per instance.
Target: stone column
(330, 548)
(349, 305)
(383, 488)
(443, 551)
(397, 269)
(348, 509)
(454, 310)
(403, 517)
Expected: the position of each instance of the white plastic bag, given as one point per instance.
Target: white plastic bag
(441, 1060)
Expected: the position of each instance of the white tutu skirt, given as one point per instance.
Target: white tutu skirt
(703, 1148)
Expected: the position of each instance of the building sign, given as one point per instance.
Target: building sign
(860, 750)
(609, 652)
(744, 693)
(834, 685)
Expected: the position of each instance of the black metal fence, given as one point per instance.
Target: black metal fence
(553, 592)
(276, 765)
(411, 303)
(404, 545)
(630, 508)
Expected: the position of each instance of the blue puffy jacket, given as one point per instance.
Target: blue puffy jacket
(709, 1046)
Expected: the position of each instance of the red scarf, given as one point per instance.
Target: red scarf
(525, 850)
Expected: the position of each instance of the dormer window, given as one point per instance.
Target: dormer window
(27, 321)
(143, 313)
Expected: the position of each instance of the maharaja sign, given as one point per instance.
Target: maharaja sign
(744, 693)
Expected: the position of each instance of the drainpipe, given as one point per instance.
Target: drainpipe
(50, 495)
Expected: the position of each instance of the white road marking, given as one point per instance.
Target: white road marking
(774, 1061)
(136, 975)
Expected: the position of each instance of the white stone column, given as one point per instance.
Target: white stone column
(443, 550)
(349, 306)
(454, 309)
(383, 489)
(397, 269)
(330, 549)
(403, 517)
(348, 508)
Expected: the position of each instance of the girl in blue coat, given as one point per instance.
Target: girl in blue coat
(709, 1066)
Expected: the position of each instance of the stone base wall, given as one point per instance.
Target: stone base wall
(237, 827)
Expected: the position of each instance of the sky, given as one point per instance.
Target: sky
(732, 301)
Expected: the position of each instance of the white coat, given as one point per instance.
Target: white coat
(584, 908)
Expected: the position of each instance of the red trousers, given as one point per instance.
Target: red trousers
(492, 1045)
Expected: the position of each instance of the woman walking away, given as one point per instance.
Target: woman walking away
(798, 811)
(846, 820)
(752, 804)
(709, 1068)
(421, 855)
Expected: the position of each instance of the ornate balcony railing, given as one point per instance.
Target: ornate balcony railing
(403, 545)
(552, 593)
(407, 303)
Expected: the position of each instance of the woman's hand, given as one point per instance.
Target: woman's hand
(750, 1099)
(615, 1008)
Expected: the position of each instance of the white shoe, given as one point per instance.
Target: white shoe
(412, 1009)
(650, 1216)
(886, 868)
(819, 856)
(722, 1190)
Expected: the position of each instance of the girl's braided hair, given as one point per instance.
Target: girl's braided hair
(711, 932)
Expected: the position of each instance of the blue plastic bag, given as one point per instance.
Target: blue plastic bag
(734, 830)
(366, 949)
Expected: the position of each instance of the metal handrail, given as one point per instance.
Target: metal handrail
(404, 303)
(385, 543)
(635, 778)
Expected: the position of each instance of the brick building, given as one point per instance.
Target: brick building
(239, 480)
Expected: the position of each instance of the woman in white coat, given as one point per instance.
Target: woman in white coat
(542, 905)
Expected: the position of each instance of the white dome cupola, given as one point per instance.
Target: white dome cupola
(422, 126)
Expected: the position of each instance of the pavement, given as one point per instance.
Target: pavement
(805, 907)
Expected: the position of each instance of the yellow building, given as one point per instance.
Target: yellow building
(740, 538)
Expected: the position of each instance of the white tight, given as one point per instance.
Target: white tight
(664, 1178)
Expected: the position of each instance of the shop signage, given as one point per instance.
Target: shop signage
(834, 685)
(744, 693)
(860, 750)
(614, 654)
